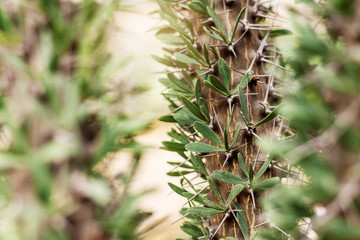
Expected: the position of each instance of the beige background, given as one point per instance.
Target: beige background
(135, 38)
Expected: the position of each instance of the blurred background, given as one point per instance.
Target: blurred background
(80, 98)
(135, 38)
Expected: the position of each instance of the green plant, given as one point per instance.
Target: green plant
(61, 115)
(222, 99)
(323, 110)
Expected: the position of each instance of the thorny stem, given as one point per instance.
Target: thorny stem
(218, 122)
(252, 132)
(260, 57)
(230, 100)
(197, 194)
(252, 197)
(260, 224)
(280, 230)
(277, 65)
(193, 184)
(222, 222)
(179, 165)
(228, 155)
(184, 216)
(256, 158)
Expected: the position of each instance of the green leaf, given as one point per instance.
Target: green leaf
(165, 61)
(280, 32)
(175, 94)
(338, 228)
(182, 85)
(234, 192)
(199, 6)
(205, 212)
(245, 79)
(198, 89)
(183, 165)
(215, 190)
(228, 177)
(178, 190)
(216, 20)
(225, 73)
(226, 141)
(184, 116)
(198, 164)
(244, 107)
(178, 173)
(192, 229)
(269, 117)
(207, 132)
(242, 165)
(193, 50)
(181, 137)
(236, 135)
(237, 23)
(206, 202)
(251, 173)
(212, 87)
(230, 118)
(212, 49)
(170, 39)
(202, 148)
(218, 84)
(206, 54)
(213, 35)
(266, 184)
(169, 84)
(174, 24)
(204, 108)
(218, 32)
(167, 118)
(263, 168)
(200, 199)
(173, 146)
(41, 177)
(193, 108)
(189, 27)
(186, 59)
(166, 9)
(242, 220)
(6, 24)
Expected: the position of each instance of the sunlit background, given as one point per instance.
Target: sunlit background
(137, 40)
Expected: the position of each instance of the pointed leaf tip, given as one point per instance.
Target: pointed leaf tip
(225, 73)
(228, 177)
(202, 148)
(207, 132)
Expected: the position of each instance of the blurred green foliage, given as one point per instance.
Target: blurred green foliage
(61, 115)
(324, 110)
